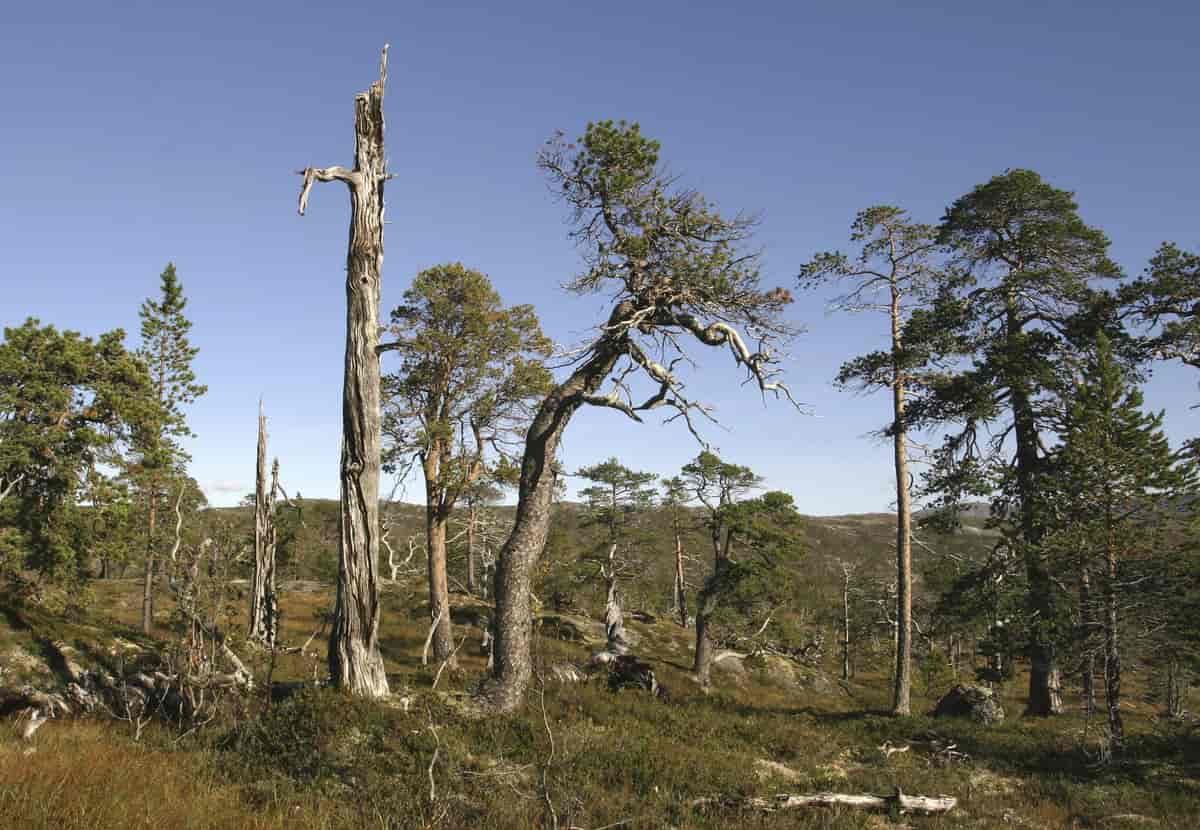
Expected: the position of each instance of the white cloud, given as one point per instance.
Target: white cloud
(222, 487)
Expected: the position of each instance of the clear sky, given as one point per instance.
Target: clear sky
(136, 133)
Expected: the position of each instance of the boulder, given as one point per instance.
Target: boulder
(628, 672)
(979, 703)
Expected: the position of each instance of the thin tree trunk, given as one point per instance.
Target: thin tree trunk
(1087, 624)
(513, 664)
(148, 576)
(355, 662)
(472, 515)
(901, 704)
(680, 594)
(1112, 657)
(846, 627)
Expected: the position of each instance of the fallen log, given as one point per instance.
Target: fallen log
(882, 803)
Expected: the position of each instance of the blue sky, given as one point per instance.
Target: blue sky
(137, 133)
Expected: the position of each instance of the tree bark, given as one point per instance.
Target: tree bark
(513, 665)
(355, 662)
(901, 704)
(1112, 656)
(1045, 695)
(705, 606)
(263, 603)
(614, 618)
(439, 589)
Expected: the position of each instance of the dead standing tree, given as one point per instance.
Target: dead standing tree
(355, 663)
(679, 275)
(264, 608)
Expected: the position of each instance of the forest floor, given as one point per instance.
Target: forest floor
(577, 756)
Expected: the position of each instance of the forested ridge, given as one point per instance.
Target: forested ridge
(476, 634)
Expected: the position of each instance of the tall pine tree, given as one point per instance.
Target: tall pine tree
(1023, 265)
(168, 355)
(893, 272)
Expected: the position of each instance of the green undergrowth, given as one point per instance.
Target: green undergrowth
(578, 755)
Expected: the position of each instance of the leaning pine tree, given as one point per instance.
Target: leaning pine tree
(719, 486)
(677, 274)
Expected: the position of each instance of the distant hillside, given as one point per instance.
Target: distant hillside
(308, 550)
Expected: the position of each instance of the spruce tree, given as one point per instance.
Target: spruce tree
(168, 355)
(1115, 480)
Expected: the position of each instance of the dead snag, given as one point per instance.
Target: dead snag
(355, 663)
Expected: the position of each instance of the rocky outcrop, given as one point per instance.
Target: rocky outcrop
(979, 703)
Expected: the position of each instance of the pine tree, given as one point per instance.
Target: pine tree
(462, 396)
(718, 486)
(1021, 278)
(168, 355)
(893, 272)
(1115, 479)
(675, 498)
(68, 405)
(615, 496)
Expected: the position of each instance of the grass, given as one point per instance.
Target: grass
(322, 760)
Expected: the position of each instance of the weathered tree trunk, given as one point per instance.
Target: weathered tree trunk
(614, 619)
(355, 663)
(680, 593)
(901, 704)
(439, 589)
(705, 606)
(899, 802)
(264, 608)
(514, 567)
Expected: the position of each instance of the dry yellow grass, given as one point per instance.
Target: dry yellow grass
(82, 776)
